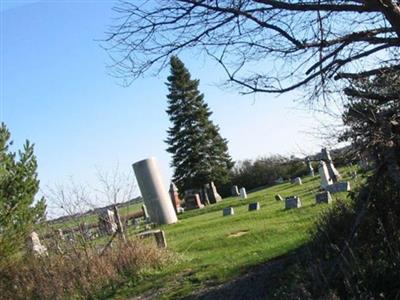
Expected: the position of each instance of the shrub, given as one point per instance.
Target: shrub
(78, 272)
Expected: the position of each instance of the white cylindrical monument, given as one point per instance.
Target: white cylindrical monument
(154, 193)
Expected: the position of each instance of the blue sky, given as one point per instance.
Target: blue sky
(56, 92)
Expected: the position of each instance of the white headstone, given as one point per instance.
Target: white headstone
(324, 173)
(35, 246)
(243, 193)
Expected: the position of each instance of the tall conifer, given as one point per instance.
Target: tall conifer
(199, 153)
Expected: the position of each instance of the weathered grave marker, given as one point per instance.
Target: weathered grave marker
(324, 174)
(339, 187)
(324, 197)
(212, 193)
(297, 181)
(254, 206)
(192, 201)
(174, 195)
(228, 211)
(235, 191)
(106, 221)
(35, 246)
(292, 202)
(243, 193)
(158, 235)
(278, 197)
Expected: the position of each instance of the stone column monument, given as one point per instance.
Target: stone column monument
(155, 195)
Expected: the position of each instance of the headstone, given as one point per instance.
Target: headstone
(212, 193)
(158, 235)
(155, 196)
(278, 197)
(107, 223)
(228, 211)
(192, 201)
(339, 187)
(243, 193)
(324, 197)
(254, 206)
(326, 157)
(292, 202)
(35, 246)
(324, 174)
(310, 167)
(235, 191)
(145, 212)
(297, 181)
(174, 195)
(60, 234)
(279, 180)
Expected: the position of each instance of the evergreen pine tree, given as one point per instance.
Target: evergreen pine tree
(199, 153)
(18, 187)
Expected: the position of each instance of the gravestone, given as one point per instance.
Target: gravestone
(228, 211)
(235, 191)
(254, 206)
(324, 174)
(243, 193)
(158, 235)
(292, 202)
(154, 193)
(35, 246)
(212, 193)
(310, 167)
(339, 187)
(146, 216)
(279, 180)
(333, 173)
(324, 197)
(278, 197)
(192, 201)
(297, 181)
(174, 195)
(107, 223)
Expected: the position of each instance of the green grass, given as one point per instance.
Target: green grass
(208, 251)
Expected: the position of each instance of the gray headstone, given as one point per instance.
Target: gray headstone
(292, 202)
(297, 181)
(310, 167)
(235, 191)
(326, 157)
(243, 193)
(107, 224)
(212, 193)
(279, 180)
(228, 211)
(254, 206)
(339, 187)
(324, 197)
(278, 197)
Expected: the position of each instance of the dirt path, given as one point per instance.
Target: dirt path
(256, 284)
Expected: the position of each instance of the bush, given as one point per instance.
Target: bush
(78, 273)
(355, 248)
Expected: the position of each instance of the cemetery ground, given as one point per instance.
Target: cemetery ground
(212, 250)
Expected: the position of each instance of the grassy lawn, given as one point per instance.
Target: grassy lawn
(212, 249)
